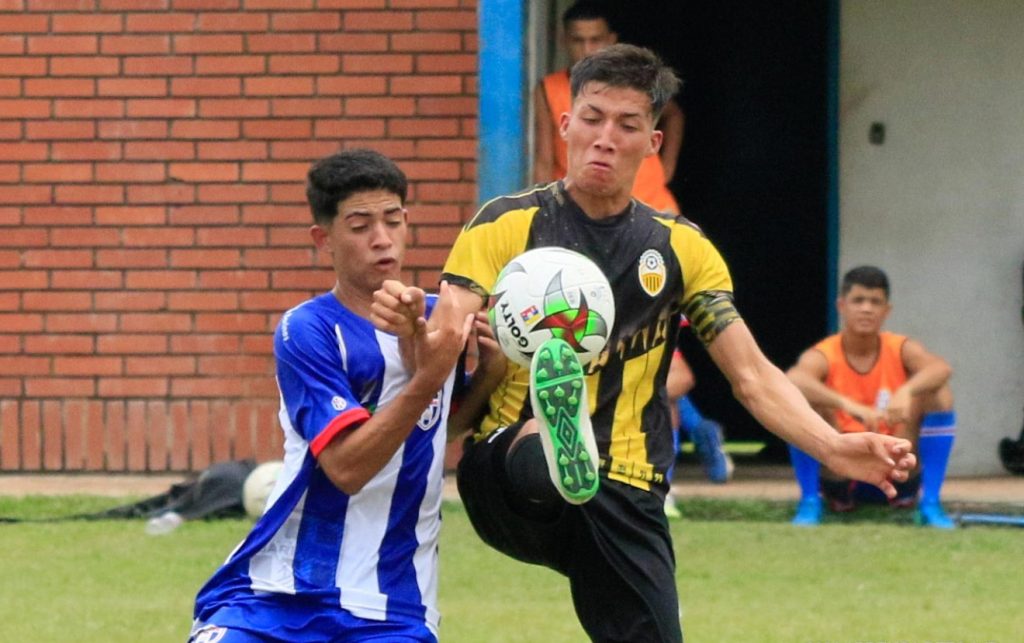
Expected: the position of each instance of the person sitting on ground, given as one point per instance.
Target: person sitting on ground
(867, 379)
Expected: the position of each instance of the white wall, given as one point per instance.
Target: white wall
(940, 205)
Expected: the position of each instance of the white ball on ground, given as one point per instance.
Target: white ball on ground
(258, 486)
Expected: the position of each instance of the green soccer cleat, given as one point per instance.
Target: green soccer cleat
(558, 391)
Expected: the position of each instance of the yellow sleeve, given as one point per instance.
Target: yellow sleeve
(703, 268)
(485, 245)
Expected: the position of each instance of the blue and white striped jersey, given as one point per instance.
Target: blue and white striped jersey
(315, 548)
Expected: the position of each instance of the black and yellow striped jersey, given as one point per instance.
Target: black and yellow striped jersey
(656, 264)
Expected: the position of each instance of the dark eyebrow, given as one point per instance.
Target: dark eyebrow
(602, 113)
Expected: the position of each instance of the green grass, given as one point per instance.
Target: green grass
(744, 574)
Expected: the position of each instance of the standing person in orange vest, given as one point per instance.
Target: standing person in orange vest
(866, 379)
(587, 29)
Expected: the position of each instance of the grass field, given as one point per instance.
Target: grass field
(744, 575)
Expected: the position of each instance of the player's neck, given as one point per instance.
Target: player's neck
(861, 344)
(351, 298)
(597, 206)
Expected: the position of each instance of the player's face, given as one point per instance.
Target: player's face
(864, 310)
(366, 240)
(608, 133)
(585, 37)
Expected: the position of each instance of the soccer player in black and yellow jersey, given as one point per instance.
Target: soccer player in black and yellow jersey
(615, 548)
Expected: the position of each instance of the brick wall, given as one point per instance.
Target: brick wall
(152, 218)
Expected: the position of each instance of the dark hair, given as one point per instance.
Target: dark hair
(629, 66)
(335, 178)
(587, 10)
(866, 276)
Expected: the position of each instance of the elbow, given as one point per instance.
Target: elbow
(349, 484)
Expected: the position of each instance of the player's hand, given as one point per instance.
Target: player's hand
(878, 459)
(398, 309)
(437, 348)
(492, 362)
(866, 415)
(898, 411)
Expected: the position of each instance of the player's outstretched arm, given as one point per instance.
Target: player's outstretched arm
(490, 370)
(778, 405)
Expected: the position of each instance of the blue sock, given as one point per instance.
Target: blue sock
(675, 450)
(934, 445)
(689, 416)
(807, 472)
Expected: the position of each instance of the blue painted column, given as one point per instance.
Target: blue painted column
(504, 97)
(832, 137)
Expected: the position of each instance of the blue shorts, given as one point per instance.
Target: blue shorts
(346, 626)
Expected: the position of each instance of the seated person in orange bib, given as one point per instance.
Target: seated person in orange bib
(867, 379)
(587, 28)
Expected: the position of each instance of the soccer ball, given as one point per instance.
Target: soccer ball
(551, 292)
(258, 485)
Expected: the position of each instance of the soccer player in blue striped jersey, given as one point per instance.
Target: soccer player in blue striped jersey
(347, 546)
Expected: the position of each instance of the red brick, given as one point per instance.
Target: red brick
(24, 280)
(157, 435)
(232, 193)
(71, 366)
(263, 344)
(278, 86)
(80, 323)
(89, 194)
(94, 428)
(206, 387)
(304, 64)
(432, 4)
(136, 44)
(135, 435)
(231, 322)
(233, 280)
(205, 214)
(205, 258)
(158, 66)
(208, 44)
(344, 128)
(63, 45)
(21, 323)
(84, 66)
(52, 130)
(199, 344)
(353, 42)
(64, 215)
(21, 365)
(156, 322)
(457, 192)
(305, 21)
(24, 237)
(278, 258)
(448, 63)
(60, 87)
(131, 87)
(230, 65)
(202, 301)
(301, 150)
(125, 301)
(235, 150)
(57, 172)
(380, 106)
(59, 387)
(163, 22)
(11, 130)
(25, 23)
(157, 365)
(60, 344)
(160, 150)
(23, 151)
(277, 129)
(377, 63)
(85, 151)
(12, 45)
(10, 173)
(53, 435)
(204, 172)
(229, 22)
(24, 66)
(426, 85)
(129, 173)
(220, 430)
(207, 5)
(388, 21)
(227, 86)
(131, 344)
(274, 172)
(449, 106)
(114, 432)
(161, 108)
(25, 194)
(446, 20)
(315, 280)
(231, 237)
(160, 280)
(133, 129)
(436, 235)
(268, 434)
(160, 237)
(132, 387)
(85, 23)
(205, 129)
(429, 41)
(287, 193)
(465, 149)
(61, 5)
(291, 236)
(50, 258)
(134, 5)
(234, 107)
(24, 108)
(275, 214)
(129, 215)
(423, 127)
(87, 279)
(280, 43)
(161, 193)
(180, 447)
(131, 258)
(52, 301)
(236, 365)
(348, 85)
(88, 108)
(253, 5)
(75, 413)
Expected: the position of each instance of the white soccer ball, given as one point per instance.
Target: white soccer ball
(258, 486)
(551, 292)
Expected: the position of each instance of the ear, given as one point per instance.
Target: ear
(563, 124)
(657, 136)
(319, 235)
(613, 38)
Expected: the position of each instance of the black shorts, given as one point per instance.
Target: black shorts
(615, 549)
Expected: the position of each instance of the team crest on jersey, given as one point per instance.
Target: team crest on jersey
(338, 403)
(208, 634)
(431, 414)
(651, 270)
